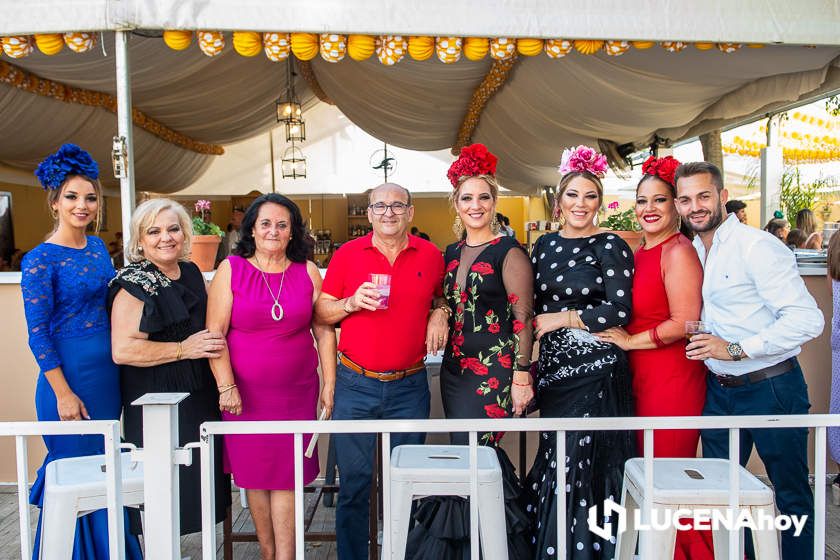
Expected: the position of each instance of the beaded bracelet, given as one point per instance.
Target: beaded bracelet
(521, 384)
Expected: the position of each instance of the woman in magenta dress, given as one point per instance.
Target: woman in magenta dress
(262, 298)
(666, 293)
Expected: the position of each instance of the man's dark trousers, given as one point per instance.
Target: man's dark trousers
(784, 451)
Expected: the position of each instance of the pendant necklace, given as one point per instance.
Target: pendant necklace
(276, 309)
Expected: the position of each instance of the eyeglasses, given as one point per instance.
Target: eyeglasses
(380, 208)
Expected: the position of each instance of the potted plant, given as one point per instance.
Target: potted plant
(624, 224)
(206, 237)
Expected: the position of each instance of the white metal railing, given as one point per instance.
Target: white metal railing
(558, 425)
(110, 431)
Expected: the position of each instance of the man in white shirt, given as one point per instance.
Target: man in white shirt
(760, 313)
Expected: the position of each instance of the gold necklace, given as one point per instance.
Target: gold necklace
(276, 309)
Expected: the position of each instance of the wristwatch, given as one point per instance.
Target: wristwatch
(735, 351)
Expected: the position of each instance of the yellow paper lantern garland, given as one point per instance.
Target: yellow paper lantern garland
(674, 46)
(17, 46)
(305, 45)
(177, 40)
(616, 48)
(50, 43)
(80, 41)
(421, 47)
(476, 48)
(558, 48)
(211, 43)
(389, 49)
(502, 48)
(448, 49)
(588, 47)
(333, 47)
(277, 46)
(361, 47)
(247, 43)
(529, 47)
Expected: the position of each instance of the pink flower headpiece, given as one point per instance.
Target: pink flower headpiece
(583, 158)
(474, 159)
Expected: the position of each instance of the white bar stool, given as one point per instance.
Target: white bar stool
(443, 470)
(693, 484)
(75, 487)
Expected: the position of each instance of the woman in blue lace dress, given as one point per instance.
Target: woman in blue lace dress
(65, 284)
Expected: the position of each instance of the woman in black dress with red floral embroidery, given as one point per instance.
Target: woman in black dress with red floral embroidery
(489, 289)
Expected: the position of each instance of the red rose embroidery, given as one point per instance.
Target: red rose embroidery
(459, 325)
(517, 326)
(482, 268)
(463, 297)
(493, 383)
(489, 313)
(475, 365)
(494, 328)
(513, 298)
(458, 340)
(495, 411)
(505, 361)
(456, 351)
(452, 265)
(479, 392)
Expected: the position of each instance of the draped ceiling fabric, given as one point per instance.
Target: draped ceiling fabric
(548, 104)
(544, 106)
(216, 100)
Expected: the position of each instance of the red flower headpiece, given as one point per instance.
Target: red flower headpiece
(664, 168)
(475, 159)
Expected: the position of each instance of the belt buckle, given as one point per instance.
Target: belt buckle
(728, 381)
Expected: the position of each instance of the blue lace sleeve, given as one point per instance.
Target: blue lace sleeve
(38, 302)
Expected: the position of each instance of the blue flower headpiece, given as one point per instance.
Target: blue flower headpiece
(68, 160)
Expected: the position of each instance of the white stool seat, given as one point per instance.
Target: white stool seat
(443, 470)
(74, 487)
(689, 484)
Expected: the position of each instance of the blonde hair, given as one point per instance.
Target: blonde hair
(491, 181)
(144, 215)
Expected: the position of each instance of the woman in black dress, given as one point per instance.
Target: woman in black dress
(583, 280)
(488, 288)
(158, 307)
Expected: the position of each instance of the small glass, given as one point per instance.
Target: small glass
(383, 285)
(696, 327)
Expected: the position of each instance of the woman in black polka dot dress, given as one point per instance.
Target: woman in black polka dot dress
(583, 280)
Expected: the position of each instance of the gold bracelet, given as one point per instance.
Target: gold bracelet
(179, 352)
(225, 388)
(446, 309)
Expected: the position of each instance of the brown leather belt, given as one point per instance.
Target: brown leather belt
(769, 372)
(394, 375)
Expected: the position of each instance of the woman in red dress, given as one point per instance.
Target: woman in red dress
(667, 292)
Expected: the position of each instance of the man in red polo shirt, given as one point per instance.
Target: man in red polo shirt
(380, 367)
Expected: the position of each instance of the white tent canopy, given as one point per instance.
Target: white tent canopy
(804, 22)
(545, 105)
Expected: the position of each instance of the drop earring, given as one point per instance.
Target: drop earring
(458, 227)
